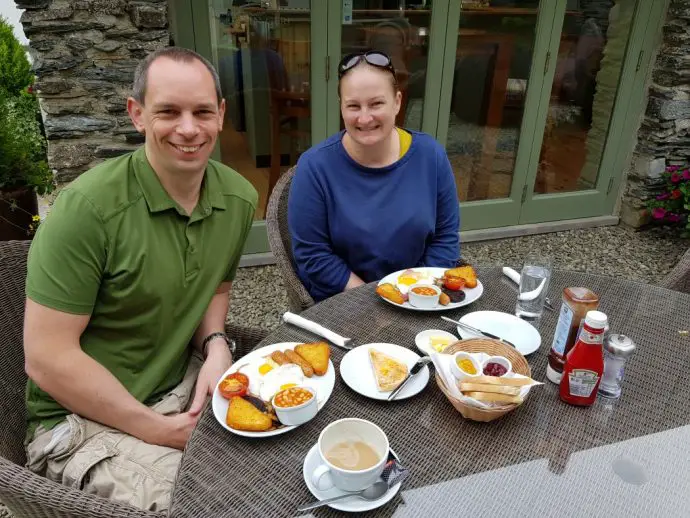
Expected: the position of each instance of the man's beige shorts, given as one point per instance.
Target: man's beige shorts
(102, 461)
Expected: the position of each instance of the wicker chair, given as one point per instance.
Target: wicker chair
(679, 278)
(22, 491)
(279, 240)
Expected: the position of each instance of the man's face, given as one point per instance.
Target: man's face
(180, 116)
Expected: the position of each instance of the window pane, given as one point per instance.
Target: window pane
(263, 58)
(590, 59)
(492, 65)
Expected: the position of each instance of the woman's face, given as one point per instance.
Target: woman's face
(369, 104)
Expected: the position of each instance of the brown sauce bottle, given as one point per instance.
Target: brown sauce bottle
(577, 302)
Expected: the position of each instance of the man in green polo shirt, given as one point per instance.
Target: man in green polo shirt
(134, 264)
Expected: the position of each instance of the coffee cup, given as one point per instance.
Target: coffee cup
(353, 453)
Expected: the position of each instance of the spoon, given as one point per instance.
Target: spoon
(373, 492)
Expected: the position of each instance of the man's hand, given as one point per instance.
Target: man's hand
(218, 360)
(176, 430)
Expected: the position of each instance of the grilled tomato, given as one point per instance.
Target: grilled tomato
(234, 384)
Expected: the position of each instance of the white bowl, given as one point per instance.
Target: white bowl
(509, 327)
(423, 301)
(460, 374)
(423, 339)
(296, 415)
(501, 360)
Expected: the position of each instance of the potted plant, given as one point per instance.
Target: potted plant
(24, 171)
(672, 205)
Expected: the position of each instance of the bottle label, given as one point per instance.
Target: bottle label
(582, 382)
(591, 336)
(562, 329)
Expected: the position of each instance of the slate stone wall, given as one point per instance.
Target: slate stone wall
(84, 54)
(663, 138)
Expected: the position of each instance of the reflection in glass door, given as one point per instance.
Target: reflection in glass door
(262, 52)
(493, 60)
(401, 29)
(591, 54)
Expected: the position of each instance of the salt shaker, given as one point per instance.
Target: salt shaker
(617, 349)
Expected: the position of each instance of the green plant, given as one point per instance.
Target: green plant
(23, 160)
(15, 69)
(672, 205)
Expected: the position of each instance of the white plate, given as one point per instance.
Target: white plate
(352, 505)
(323, 385)
(357, 372)
(509, 327)
(422, 339)
(471, 294)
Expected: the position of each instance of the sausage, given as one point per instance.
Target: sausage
(293, 357)
(280, 358)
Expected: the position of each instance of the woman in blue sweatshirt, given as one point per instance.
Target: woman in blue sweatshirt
(374, 198)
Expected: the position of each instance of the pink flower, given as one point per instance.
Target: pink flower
(674, 218)
(686, 174)
(675, 194)
(658, 213)
(663, 197)
(672, 168)
(675, 178)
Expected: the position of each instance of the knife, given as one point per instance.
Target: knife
(414, 370)
(479, 331)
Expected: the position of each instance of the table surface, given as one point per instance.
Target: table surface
(621, 457)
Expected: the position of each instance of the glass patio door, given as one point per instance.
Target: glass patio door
(533, 105)
(272, 67)
(595, 50)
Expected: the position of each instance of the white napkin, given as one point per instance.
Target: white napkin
(318, 329)
(443, 363)
(515, 277)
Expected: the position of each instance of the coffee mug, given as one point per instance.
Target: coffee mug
(351, 432)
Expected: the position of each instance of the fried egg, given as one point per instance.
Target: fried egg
(411, 277)
(285, 376)
(256, 370)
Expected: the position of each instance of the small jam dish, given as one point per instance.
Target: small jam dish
(460, 367)
(497, 366)
(424, 296)
(295, 414)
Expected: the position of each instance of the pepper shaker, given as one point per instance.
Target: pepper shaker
(617, 349)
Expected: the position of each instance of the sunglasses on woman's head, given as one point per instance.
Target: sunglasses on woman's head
(373, 57)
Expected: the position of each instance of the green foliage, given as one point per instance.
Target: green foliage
(672, 206)
(23, 161)
(15, 69)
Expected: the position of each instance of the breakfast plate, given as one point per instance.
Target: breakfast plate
(426, 277)
(251, 364)
(509, 327)
(426, 340)
(353, 505)
(357, 371)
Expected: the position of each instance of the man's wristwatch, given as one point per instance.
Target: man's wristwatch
(231, 343)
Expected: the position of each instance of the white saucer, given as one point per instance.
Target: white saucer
(422, 339)
(509, 327)
(358, 374)
(352, 505)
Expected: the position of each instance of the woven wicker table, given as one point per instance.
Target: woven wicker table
(627, 457)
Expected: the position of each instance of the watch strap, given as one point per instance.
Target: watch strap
(218, 334)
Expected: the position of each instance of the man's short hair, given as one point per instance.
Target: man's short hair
(176, 54)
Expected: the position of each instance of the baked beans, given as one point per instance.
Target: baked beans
(420, 290)
(293, 396)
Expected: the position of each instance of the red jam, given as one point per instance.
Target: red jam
(494, 369)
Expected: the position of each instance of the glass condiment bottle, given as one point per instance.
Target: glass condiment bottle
(584, 363)
(617, 349)
(577, 302)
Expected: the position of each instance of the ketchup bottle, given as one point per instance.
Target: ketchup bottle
(584, 363)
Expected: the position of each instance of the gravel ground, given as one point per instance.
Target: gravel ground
(258, 297)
